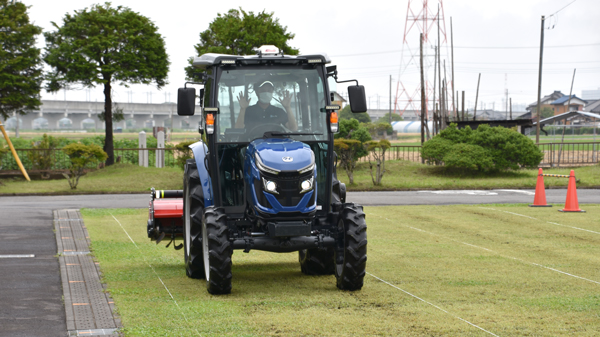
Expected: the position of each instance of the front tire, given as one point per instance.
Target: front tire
(193, 210)
(316, 261)
(351, 251)
(217, 251)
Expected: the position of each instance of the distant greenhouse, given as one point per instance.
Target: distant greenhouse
(409, 127)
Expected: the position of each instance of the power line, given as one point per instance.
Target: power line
(472, 47)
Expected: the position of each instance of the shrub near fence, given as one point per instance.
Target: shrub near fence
(61, 161)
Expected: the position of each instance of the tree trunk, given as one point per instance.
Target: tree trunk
(108, 142)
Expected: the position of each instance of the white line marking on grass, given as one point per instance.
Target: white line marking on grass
(581, 229)
(161, 281)
(433, 305)
(553, 223)
(495, 252)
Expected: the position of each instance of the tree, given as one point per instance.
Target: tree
(377, 150)
(81, 156)
(20, 63)
(546, 112)
(352, 129)
(347, 150)
(102, 45)
(347, 114)
(238, 33)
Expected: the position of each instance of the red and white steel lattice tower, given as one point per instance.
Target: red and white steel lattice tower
(421, 17)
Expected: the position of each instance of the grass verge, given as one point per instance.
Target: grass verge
(477, 263)
(405, 175)
(118, 178)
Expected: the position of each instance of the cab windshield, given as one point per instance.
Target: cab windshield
(253, 101)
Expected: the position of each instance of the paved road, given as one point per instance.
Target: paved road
(30, 288)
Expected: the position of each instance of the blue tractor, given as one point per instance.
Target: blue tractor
(264, 178)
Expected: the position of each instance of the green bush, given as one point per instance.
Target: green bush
(468, 156)
(352, 129)
(80, 156)
(484, 149)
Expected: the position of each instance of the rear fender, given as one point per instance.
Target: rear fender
(200, 151)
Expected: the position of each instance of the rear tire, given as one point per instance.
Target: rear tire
(351, 252)
(193, 209)
(316, 261)
(217, 251)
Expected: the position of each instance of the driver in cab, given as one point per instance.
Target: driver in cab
(263, 113)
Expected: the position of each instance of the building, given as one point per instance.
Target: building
(574, 103)
(593, 106)
(546, 102)
(590, 95)
(81, 115)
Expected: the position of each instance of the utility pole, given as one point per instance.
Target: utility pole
(439, 51)
(463, 105)
(570, 92)
(539, 98)
(452, 55)
(456, 106)
(390, 119)
(434, 104)
(510, 99)
(476, 98)
(423, 106)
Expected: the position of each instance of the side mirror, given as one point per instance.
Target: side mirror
(358, 101)
(185, 101)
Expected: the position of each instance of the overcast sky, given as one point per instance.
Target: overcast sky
(499, 39)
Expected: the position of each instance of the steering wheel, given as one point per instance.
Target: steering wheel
(265, 128)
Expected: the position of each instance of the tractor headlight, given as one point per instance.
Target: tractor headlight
(270, 186)
(306, 185)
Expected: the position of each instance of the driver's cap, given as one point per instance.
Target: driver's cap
(266, 82)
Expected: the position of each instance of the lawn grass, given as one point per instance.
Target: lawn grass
(405, 175)
(478, 263)
(118, 178)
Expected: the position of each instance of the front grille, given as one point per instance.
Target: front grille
(288, 186)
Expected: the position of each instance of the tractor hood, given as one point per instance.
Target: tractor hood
(282, 154)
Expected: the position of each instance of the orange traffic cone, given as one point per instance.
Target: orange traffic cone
(571, 205)
(539, 200)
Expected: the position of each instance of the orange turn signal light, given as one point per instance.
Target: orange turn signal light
(333, 118)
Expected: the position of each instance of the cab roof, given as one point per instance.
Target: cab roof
(210, 59)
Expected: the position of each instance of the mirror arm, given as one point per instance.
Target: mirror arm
(186, 83)
(336, 81)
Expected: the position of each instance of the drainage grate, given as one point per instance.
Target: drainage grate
(94, 332)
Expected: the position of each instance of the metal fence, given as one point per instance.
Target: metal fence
(43, 160)
(399, 152)
(569, 154)
(36, 160)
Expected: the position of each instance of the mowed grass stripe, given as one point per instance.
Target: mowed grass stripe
(271, 297)
(488, 286)
(155, 273)
(575, 252)
(553, 223)
(505, 256)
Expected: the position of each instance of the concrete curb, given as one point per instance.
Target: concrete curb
(89, 309)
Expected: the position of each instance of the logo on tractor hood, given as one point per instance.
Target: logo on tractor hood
(287, 159)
